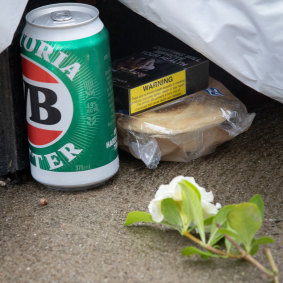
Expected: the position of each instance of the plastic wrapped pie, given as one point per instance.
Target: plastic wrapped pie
(186, 128)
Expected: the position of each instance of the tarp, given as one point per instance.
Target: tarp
(245, 38)
(11, 12)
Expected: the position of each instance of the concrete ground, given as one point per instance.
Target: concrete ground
(80, 237)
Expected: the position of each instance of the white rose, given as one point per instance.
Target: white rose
(173, 190)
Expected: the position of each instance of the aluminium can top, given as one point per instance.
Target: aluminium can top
(63, 15)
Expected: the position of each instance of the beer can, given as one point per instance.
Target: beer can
(68, 89)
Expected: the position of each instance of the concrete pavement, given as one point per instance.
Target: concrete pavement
(80, 237)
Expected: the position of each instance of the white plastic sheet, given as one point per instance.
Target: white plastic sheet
(245, 38)
(11, 12)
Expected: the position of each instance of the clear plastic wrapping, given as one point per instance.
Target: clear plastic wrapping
(184, 129)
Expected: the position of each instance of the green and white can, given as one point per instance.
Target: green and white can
(68, 89)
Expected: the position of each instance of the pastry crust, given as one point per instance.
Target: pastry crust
(182, 118)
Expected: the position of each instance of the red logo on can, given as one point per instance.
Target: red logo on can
(49, 105)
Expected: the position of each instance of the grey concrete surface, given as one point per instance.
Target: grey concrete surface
(80, 237)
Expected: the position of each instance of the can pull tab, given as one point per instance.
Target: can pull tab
(61, 16)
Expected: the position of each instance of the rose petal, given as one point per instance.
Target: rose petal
(154, 208)
(173, 190)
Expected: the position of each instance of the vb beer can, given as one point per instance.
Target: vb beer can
(68, 89)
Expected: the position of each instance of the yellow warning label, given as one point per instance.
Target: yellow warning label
(157, 92)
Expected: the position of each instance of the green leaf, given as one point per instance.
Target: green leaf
(191, 207)
(221, 219)
(260, 241)
(208, 221)
(229, 232)
(263, 240)
(171, 212)
(245, 219)
(186, 212)
(138, 216)
(228, 245)
(254, 249)
(188, 251)
(257, 200)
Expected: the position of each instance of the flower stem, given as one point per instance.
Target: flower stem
(208, 247)
(272, 264)
(248, 257)
(243, 255)
(252, 260)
